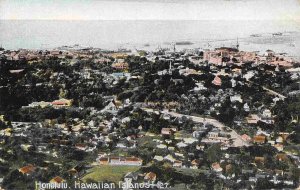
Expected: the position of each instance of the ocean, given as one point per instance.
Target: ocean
(150, 34)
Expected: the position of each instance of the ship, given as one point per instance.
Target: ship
(184, 43)
(277, 34)
(255, 35)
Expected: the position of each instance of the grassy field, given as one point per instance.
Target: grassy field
(108, 173)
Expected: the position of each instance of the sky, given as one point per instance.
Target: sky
(150, 10)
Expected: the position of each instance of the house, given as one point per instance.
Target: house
(121, 145)
(247, 171)
(161, 146)
(16, 71)
(150, 177)
(217, 81)
(216, 167)
(61, 103)
(198, 134)
(236, 98)
(190, 140)
(120, 65)
(267, 113)
(195, 164)
(158, 158)
(228, 168)
(246, 138)
(111, 107)
(284, 135)
(131, 176)
(252, 119)
(169, 158)
(104, 160)
(167, 131)
(288, 182)
(177, 81)
(120, 75)
(179, 154)
(259, 159)
(181, 145)
(29, 169)
(199, 87)
(233, 83)
(77, 171)
(57, 179)
(177, 164)
(259, 139)
(249, 75)
(246, 107)
(200, 146)
(282, 157)
(253, 179)
(119, 55)
(278, 172)
(213, 134)
(166, 116)
(82, 147)
(279, 139)
(42, 104)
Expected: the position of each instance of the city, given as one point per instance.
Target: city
(215, 118)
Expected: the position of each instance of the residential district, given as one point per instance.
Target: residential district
(188, 119)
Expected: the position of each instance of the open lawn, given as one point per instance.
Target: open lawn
(108, 173)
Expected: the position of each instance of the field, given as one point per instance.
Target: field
(108, 173)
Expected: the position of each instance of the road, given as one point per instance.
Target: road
(274, 93)
(237, 139)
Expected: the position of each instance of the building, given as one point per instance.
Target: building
(216, 167)
(150, 176)
(259, 159)
(158, 158)
(167, 131)
(267, 113)
(246, 138)
(177, 164)
(57, 179)
(195, 164)
(61, 103)
(217, 81)
(126, 161)
(104, 161)
(252, 119)
(259, 139)
(281, 157)
(27, 170)
(120, 66)
(279, 147)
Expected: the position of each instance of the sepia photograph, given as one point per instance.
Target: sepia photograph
(149, 94)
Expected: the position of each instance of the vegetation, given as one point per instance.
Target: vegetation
(108, 173)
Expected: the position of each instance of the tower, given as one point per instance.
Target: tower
(174, 48)
(237, 43)
(170, 67)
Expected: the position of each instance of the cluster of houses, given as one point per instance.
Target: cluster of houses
(225, 55)
(173, 145)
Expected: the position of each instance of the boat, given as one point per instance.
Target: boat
(184, 43)
(292, 45)
(255, 35)
(277, 34)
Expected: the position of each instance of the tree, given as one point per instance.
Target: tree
(213, 153)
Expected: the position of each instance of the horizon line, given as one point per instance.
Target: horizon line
(277, 19)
